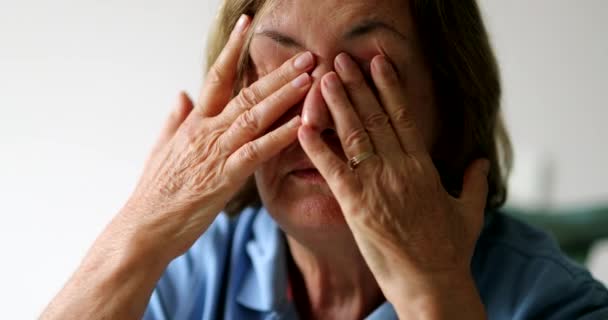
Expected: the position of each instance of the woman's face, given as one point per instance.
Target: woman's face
(291, 189)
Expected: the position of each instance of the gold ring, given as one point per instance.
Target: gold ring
(356, 160)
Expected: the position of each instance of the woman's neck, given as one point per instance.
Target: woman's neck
(331, 282)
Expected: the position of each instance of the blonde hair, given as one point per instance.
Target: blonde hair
(466, 80)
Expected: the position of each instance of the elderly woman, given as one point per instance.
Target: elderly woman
(345, 160)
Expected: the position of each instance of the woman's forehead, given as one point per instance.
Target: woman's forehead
(363, 29)
(334, 17)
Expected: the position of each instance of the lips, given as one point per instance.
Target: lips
(301, 165)
(306, 171)
(309, 176)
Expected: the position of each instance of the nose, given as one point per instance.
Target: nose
(314, 111)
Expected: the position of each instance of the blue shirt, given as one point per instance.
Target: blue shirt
(238, 270)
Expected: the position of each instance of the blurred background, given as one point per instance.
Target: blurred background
(85, 86)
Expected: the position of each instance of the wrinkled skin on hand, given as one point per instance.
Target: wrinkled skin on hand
(405, 223)
(207, 150)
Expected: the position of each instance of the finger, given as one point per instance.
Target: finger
(475, 189)
(338, 176)
(372, 115)
(217, 87)
(246, 159)
(255, 121)
(180, 112)
(391, 95)
(250, 96)
(353, 136)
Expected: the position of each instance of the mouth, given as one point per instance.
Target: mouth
(308, 175)
(303, 170)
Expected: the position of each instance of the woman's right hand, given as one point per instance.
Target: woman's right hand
(207, 150)
(205, 153)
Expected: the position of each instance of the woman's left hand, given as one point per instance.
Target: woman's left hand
(416, 238)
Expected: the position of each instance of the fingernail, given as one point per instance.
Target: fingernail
(242, 24)
(331, 81)
(303, 61)
(343, 62)
(301, 81)
(385, 68)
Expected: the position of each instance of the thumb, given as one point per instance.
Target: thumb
(475, 185)
(180, 112)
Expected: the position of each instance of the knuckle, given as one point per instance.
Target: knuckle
(376, 120)
(402, 117)
(272, 137)
(248, 97)
(197, 138)
(286, 73)
(248, 121)
(356, 137)
(250, 152)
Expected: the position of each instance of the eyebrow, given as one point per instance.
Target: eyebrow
(361, 29)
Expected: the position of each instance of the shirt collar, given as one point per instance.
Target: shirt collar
(264, 286)
(384, 312)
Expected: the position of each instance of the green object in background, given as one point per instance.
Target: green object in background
(576, 229)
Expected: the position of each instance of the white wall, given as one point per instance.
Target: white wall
(554, 60)
(85, 86)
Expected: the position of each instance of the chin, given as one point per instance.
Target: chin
(304, 207)
(317, 210)
(299, 199)
(311, 218)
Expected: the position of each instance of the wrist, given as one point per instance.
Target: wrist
(114, 280)
(142, 238)
(124, 251)
(163, 231)
(444, 296)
